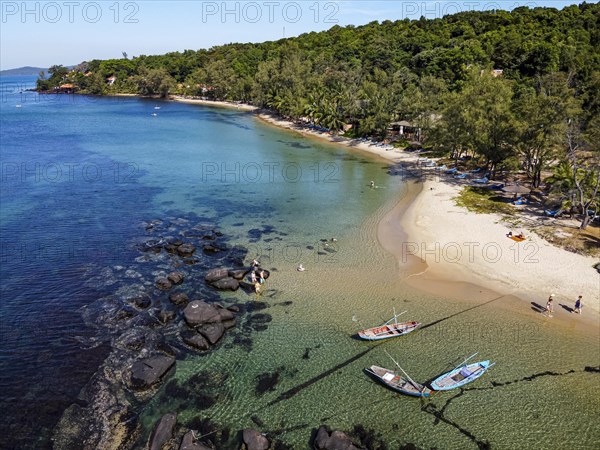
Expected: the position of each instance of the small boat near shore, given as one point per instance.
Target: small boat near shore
(461, 375)
(402, 384)
(391, 328)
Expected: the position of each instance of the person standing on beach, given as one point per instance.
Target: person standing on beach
(578, 304)
(550, 305)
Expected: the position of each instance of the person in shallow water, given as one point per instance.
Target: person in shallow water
(550, 305)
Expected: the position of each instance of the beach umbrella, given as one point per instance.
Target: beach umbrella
(516, 189)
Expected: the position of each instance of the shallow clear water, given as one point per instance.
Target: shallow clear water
(79, 176)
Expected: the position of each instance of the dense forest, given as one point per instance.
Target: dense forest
(518, 90)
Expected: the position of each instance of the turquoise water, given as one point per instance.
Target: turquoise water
(81, 175)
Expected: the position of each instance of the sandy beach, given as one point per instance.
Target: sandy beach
(213, 103)
(444, 248)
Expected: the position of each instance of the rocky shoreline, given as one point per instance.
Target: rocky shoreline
(151, 323)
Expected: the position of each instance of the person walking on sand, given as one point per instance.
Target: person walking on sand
(550, 305)
(578, 304)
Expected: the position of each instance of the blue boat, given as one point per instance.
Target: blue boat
(461, 375)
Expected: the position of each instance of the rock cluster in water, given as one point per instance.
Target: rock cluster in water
(162, 306)
(167, 434)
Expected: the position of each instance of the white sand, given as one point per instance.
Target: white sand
(465, 247)
(213, 103)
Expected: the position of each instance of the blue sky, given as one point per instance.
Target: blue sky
(67, 32)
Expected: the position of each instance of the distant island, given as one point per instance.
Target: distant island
(27, 70)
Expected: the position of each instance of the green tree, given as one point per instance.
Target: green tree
(490, 124)
(154, 82)
(543, 123)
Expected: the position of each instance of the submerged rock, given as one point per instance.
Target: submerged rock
(164, 284)
(179, 298)
(165, 316)
(186, 250)
(141, 302)
(254, 440)
(108, 421)
(334, 441)
(195, 339)
(149, 371)
(187, 443)
(175, 277)
(212, 331)
(163, 431)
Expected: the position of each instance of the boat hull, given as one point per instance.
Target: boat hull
(398, 383)
(456, 378)
(388, 331)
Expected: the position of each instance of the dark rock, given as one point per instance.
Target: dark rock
(152, 245)
(170, 248)
(175, 277)
(163, 431)
(124, 314)
(216, 274)
(224, 313)
(211, 249)
(226, 284)
(179, 298)
(229, 323)
(194, 339)
(164, 284)
(103, 419)
(322, 437)
(175, 241)
(187, 443)
(149, 371)
(198, 313)
(186, 250)
(254, 440)
(234, 308)
(239, 274)
(165, 316)
(336, 441)
(142, 302)
(212, 331)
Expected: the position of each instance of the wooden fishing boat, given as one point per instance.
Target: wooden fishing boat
(460, 375)
(391, 328)
(398, 383)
